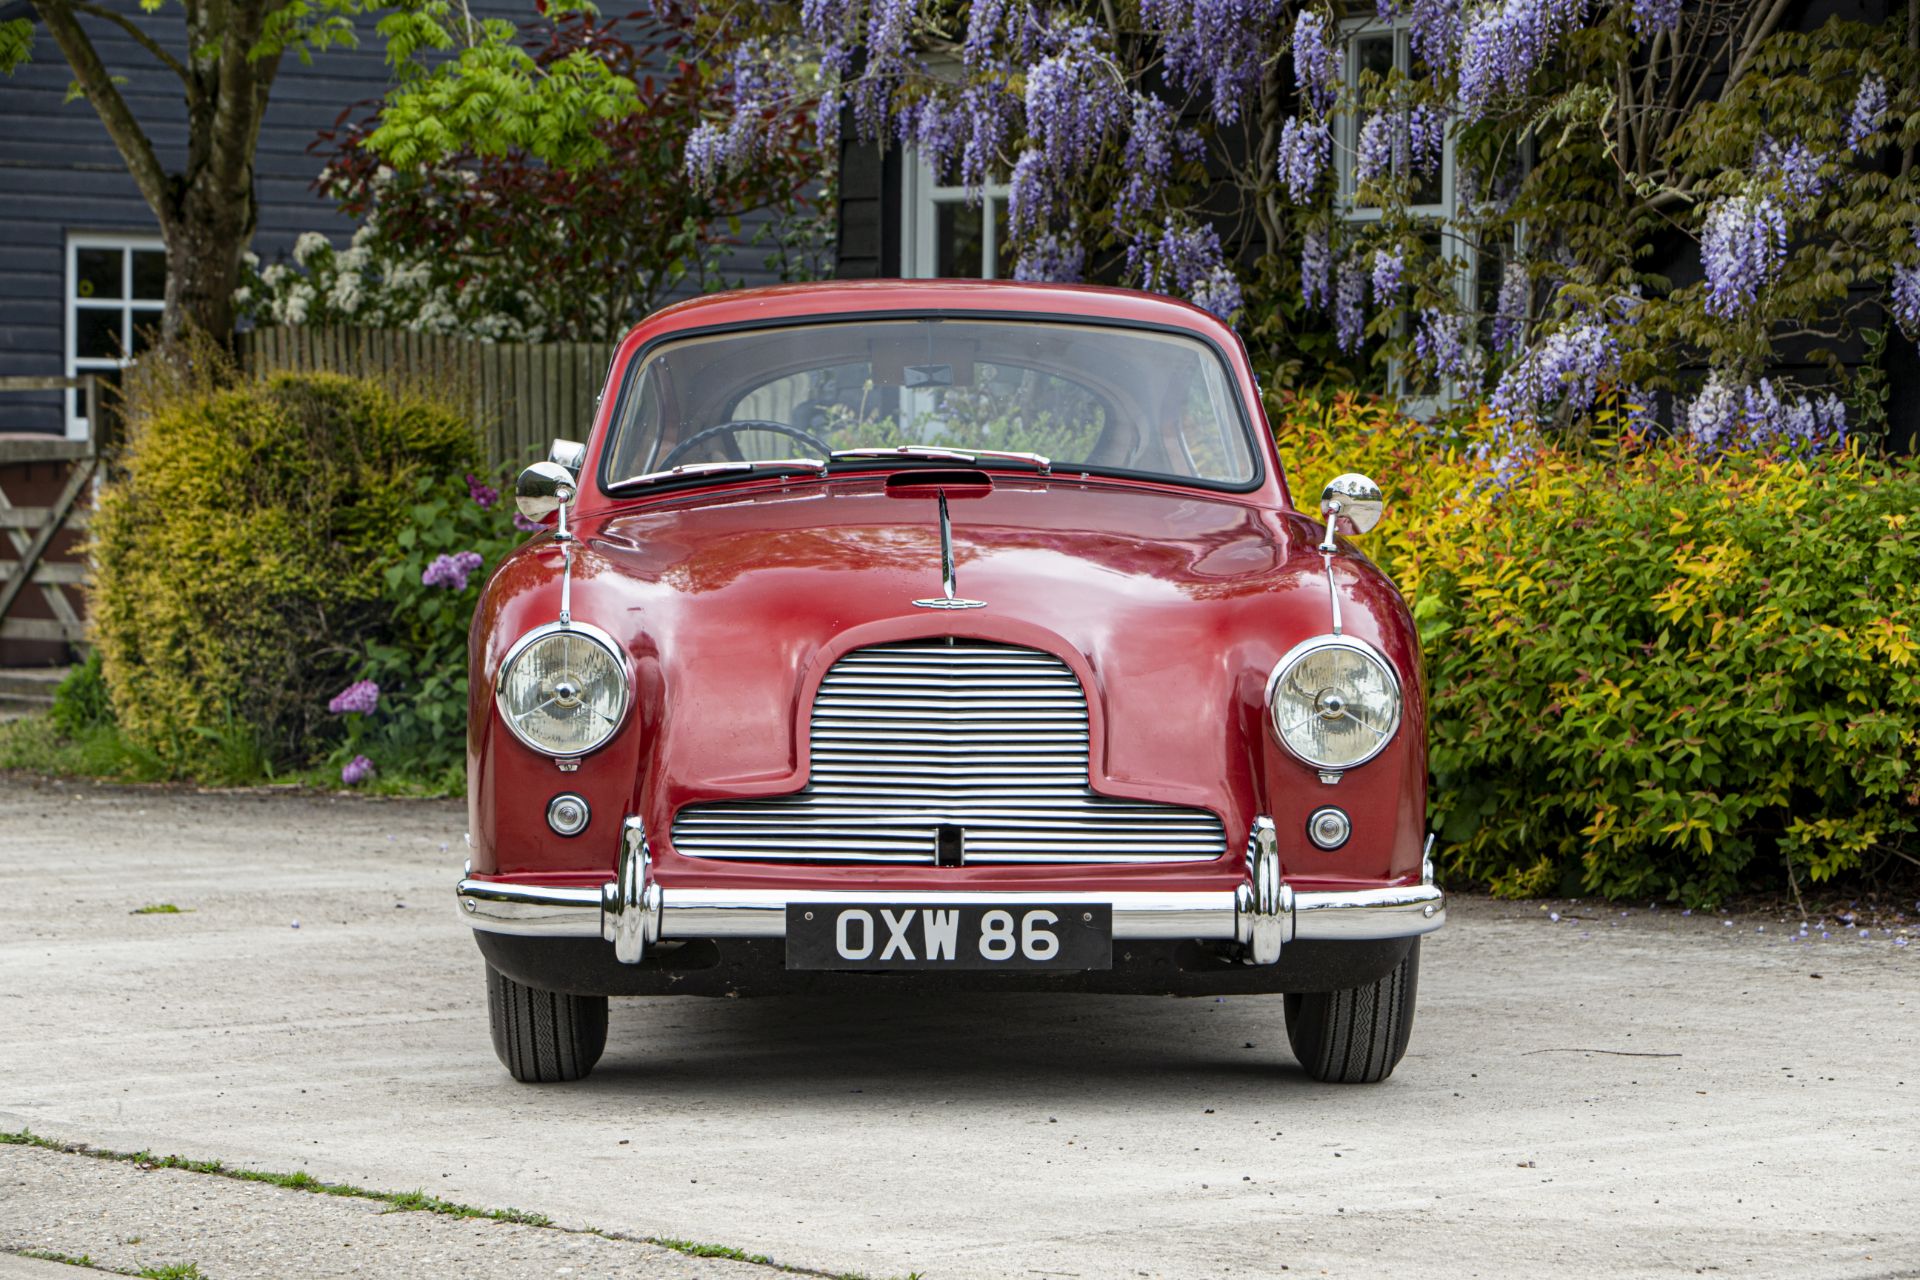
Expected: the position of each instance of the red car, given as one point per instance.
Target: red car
(966, 633)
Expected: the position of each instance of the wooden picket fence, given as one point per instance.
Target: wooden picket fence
(519, 395)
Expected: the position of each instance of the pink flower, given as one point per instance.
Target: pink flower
(451, 571)
(356, 771)
(362, 696)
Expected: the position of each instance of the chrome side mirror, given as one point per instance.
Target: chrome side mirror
(1352, 504)
(571, 454)
(544, 488)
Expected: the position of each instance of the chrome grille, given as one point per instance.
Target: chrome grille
(908, 737)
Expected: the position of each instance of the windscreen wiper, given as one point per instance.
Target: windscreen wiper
(693, 470)
(934, 453)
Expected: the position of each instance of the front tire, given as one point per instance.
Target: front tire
(544, 1037)
(1357, 1035)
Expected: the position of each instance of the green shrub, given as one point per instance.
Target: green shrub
(242, 554)
(80, 701)
(1651, 675)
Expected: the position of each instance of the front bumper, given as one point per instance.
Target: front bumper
(1264, 913)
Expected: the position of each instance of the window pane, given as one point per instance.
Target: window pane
(146, 324)
(149, 274)
(1374, 53)
(959, 240)
(97, 273)
(96, 332)
(1002, 253)
(1426, 186)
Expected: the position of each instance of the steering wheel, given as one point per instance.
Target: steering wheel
(742, 424)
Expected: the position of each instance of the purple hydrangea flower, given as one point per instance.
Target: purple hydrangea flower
(1349, 300)
(1741, 247)
(1051, 257)
(1649, 16)
(356, 771)
(1869, 110)
(360, 698)
(1567, 367)
(451, 571)
(1510, 318)
(483, 494)
(1316, 269)
(1389, 261)
(1314, 61)
(1304, 148)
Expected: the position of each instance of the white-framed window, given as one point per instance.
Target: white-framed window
(1382, 47)
(116, 290)
(948, 232)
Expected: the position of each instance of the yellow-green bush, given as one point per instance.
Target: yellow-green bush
(241, 550)
(1650, 674)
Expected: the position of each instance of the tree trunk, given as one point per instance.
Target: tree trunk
(205, 241)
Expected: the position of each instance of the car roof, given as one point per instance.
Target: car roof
(843, 297)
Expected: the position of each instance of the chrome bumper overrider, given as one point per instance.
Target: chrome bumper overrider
(1264, 913)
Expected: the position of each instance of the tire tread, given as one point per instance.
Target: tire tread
(1356, 1035)
(544, 1037)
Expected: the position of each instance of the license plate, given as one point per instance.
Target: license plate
(983, 936)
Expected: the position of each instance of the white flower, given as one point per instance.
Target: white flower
(242, 296)
(298, 299)
(344, 297)
(309, 243)
(274, 275)
(250, 260)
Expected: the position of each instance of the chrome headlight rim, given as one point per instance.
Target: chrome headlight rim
(585, 631)
(1306, 647)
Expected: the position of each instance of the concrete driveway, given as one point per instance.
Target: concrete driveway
(1638, 1094)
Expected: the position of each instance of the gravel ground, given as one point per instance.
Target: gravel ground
(1767, 1132)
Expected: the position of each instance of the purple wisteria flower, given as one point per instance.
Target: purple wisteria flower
(1741, 247)
(888, 24)
(1724, 416)
(1869, 110)
(1374, 154)
(1649, 16)
(356, 771)
(1030, 195)
(483, 494)
(1074, 100)
(1566, 367)
(825, 20)
(1427, 130)
(1304, 148)
(1904, 300)
(1510, 317)
(1215, 46)
(359, 698)
(1441, 343)
(706, 155)
(1148, 158)
(1792, 165)
(451, 571)
(1052, 257)
(989, 113)
(1316, 269)
(1186, 262)
(984, 18)
(1389, 261)
(1434, 32)
(1349, 301)
(1314, 61)
(1505, 42)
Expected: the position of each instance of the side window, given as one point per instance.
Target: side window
(949, 233)
(116, 290)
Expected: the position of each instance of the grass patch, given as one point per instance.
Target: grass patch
(177, 1271)
(408, 1201)
(49, 1255)
(400, 1201)
(157, 909)
(39, 744)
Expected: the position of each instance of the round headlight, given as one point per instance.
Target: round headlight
(563, 690)
(1334, 702)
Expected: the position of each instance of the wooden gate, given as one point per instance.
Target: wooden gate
(30, 471)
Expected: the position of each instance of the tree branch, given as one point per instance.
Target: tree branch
(134, 145)
(142, 39)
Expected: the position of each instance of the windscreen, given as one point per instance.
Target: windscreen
(1086, 396)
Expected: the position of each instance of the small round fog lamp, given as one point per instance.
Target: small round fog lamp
(568, 814)
(1328, 828)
